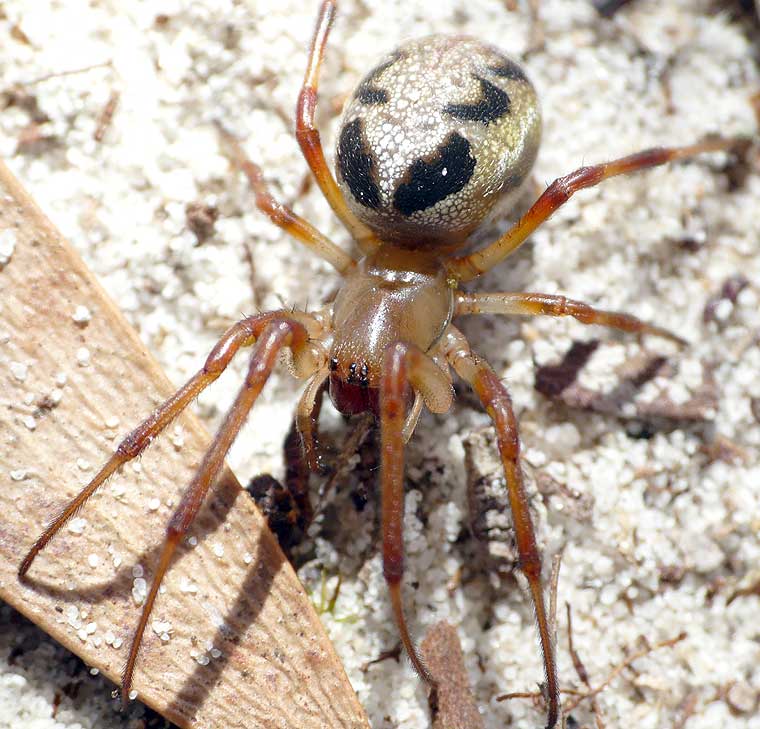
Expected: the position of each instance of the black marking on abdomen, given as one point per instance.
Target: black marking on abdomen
(509, 69)
(368, 92)
(431, 181)
(371, 95)
(357, 166)
(492, 105)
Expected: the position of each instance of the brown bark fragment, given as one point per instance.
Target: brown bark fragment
(452, 703)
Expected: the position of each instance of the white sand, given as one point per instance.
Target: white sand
(660, 73)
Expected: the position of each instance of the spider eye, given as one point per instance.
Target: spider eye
(430, 181)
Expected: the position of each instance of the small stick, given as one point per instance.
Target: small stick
(69, 72)
(623, 665)
(580, 669)
(553, 591)
(106, 116)
(583, 695)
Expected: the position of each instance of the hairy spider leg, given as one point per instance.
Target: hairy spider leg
(308, 135)
(406, 368)
(270, 332)
(278, 334)
(281, 215)
(527, 304)
(241, 334)
(498, 404)
(466, 268)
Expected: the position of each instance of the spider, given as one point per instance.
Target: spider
(435, 138)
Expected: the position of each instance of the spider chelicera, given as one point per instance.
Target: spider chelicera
(434, 137)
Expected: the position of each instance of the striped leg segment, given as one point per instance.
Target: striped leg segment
(308, 135)
(495, 399)
(466, 268)
(523, 304)
(406, 370)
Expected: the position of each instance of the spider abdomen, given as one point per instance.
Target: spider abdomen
(434, 136)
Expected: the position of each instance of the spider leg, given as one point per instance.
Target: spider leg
(307, 415)
(292, 511)
(242, 334)
(495, 398)
(466, 268)
(548, 304)
(405, 369)
(279, 333)
(308, 135)
(281, 215)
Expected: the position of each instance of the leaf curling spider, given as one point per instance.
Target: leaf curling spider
(437, 135)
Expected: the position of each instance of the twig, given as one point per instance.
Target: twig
(106, 116)
(593, 692)
(553, 590)
(394, 653)
(622, 666)
(580, 669)
(68, 72)
(452, 703)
